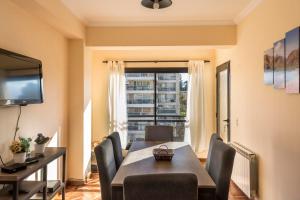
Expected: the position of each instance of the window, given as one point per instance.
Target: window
(156, 96)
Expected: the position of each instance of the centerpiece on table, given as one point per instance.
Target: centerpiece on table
(163, 153)
(40, 143)
(20, 148)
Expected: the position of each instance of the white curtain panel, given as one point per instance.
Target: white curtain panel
(117, 100)
(195, 117)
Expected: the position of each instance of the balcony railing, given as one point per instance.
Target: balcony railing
(137, 124)
(140, 88)
(160, 89)
(166, 111)
(166, 78)
(139, 114)
(150, 101)
(162, 101)
(139, 75)
(140, 101)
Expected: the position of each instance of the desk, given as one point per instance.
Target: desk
(15, 179)
(141, 161)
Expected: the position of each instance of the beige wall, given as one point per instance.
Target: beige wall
(87, 111)
(55, 14)
(264, 119)
(21, 32)
(161, 36)
(100, 78)
(76, 107)
(42, 29)
(80, 110)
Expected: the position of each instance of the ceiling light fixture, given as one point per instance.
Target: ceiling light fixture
(156, 4)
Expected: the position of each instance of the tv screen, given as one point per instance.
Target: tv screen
(20, 79)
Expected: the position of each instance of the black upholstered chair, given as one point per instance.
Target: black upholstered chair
(220, 168)
(107, 167)
(116, 142)
(161, 187)
(213, 138)
(159, 133)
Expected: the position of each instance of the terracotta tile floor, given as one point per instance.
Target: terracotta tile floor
(91, 191)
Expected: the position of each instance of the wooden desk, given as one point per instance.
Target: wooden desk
(141, 161)
(17, 178)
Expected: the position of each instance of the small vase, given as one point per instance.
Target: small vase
(19, 157)
(39, 148)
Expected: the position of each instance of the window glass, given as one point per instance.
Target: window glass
(163, 105)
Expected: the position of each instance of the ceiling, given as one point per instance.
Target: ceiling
(182, 12)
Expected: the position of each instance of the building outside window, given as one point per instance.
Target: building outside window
(156, 97)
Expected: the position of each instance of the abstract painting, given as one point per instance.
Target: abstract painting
(279, 64)
(268, 67)
(292, 61)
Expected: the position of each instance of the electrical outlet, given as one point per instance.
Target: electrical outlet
(237, 122)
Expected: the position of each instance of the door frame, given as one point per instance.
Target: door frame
(220, 68)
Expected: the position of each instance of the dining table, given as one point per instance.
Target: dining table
(140, 161)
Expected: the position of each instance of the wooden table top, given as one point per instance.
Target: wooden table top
(141, 161)
(51, 153)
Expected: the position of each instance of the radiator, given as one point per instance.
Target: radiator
(244, 173)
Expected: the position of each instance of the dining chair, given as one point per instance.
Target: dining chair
(128, 146)
(159, 133)
(213, 138)
(161, 187)
(116, 142)
(220, 168)
(107, 167)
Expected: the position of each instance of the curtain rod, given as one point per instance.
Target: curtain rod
(155, 61)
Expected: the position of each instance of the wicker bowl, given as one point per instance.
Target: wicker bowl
(163, 153)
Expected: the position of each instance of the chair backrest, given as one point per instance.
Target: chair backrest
(116, 142)
(161, 187)
(107, 167)
(159, 133)
(220, 168)
(213, 138)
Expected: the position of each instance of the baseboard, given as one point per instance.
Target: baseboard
(75, 182)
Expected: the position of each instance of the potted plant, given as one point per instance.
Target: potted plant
(20, 148)
(40, 143)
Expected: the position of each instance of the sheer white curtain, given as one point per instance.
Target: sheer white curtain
(117, 100)
(195, 116)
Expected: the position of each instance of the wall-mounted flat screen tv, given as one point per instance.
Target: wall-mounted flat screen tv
(20, 79)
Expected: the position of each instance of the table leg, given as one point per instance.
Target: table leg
(206, 194)
(16, 188)
(117, 193)
(63, 177)
(44, 178)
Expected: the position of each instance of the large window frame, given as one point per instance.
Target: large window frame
(156, 71)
